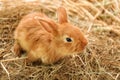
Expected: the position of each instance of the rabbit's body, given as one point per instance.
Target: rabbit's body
(30, 34)
(44, 39)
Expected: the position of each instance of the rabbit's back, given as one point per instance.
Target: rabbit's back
(30, 32)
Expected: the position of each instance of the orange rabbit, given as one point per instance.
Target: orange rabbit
(44, 39)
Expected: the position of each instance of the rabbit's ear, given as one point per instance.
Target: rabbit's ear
(62, 15)
(45, 22)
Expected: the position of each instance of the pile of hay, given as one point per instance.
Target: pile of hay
(98, 19)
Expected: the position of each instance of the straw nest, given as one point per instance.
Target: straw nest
(98, 19)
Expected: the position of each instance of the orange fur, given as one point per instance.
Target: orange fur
(44, 39)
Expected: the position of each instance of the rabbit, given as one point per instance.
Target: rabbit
(44, 39)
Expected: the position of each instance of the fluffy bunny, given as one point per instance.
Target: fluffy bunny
(44, 39)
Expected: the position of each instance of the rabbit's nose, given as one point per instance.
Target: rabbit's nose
(84, 43)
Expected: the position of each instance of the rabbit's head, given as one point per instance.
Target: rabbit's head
(71, 39)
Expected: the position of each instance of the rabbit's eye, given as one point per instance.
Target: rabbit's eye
(68, 39)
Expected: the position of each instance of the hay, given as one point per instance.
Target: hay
(98, 19)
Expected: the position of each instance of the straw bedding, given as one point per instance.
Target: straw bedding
(98, 19)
